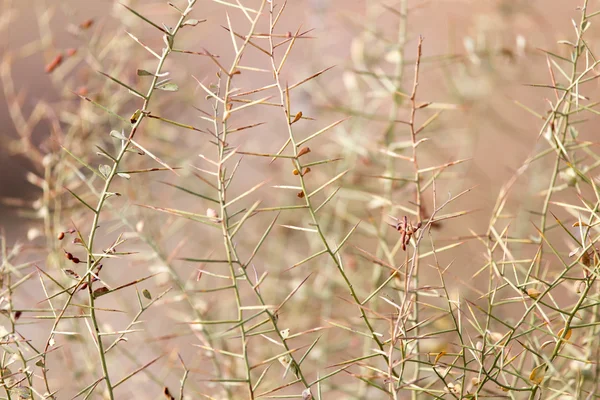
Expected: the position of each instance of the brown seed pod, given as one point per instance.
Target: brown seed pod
(306, 171)
(303, 151)
(300, 194)
(75, 260)
(297, 117)
(295, 172)
(168, 394)
(61, 236)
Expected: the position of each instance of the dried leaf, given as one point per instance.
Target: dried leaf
(135, 116)
(538, 373)
(567, 335)
(71, 274)
(533, 293)
(439, 355)
(100, 291)
(297, 117)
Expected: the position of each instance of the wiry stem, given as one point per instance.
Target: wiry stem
(92, 261)
(222, 189)
(285, 106)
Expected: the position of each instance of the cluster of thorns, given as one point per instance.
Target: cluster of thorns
(406, 229)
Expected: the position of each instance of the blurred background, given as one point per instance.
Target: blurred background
(479, 58)
(477, 54)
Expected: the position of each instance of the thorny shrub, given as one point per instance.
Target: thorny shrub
(301, 255)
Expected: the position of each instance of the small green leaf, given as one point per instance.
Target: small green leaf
(191, 22)
(147, 294)
(104, 170)
(586, 24)
(143, 72)
(118, 135)
(169, 87)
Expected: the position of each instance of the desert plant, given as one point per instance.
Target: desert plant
(287, 251)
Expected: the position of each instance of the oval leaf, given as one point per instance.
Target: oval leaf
(104, 170)
(118, 135)
(538, 373)
(100, 291)
(191, 22)
(169, 87)
(567, 335)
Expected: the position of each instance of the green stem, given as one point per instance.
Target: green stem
(91, 261)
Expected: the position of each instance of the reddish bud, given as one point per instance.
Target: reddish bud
(303, 151)
(75, 260)
(86, 24)
(300, 194)
(71, 52)
(61, 236)
(54, 63)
